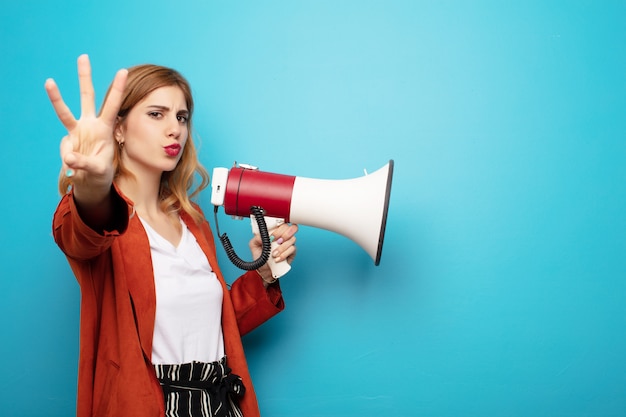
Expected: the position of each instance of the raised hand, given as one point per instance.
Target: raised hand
(88, 149)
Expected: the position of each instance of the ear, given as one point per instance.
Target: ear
(118, 134)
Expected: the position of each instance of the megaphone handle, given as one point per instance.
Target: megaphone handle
(278, 268)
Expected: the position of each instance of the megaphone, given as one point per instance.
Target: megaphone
(355, 208)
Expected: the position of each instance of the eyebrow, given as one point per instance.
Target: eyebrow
(166, 109)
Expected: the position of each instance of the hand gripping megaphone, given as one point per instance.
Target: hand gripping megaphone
(355, 208)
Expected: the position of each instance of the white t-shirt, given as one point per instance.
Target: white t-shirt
(188, 324)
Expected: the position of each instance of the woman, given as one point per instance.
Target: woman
(160, 329)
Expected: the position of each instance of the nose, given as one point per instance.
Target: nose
(174, 128)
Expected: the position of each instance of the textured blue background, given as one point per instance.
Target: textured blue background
(502, 286)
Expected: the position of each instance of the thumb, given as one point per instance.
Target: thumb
(70, 159)
(75, 161)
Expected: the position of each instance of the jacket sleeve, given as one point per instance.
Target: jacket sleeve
(253, 303)
(77, 240)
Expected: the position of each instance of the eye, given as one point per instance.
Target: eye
(155, 114)
(182, 118)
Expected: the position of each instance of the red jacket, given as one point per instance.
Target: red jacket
(114, 271)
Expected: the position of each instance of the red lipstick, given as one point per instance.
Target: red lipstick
(173, 149)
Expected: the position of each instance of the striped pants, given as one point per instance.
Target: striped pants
(200, 389)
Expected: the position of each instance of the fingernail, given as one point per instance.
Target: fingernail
(69, 173)
(275, 254)
(280, 240)
(271, 238)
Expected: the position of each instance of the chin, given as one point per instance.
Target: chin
(172, 167)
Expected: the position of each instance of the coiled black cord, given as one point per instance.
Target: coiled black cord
(265, 240)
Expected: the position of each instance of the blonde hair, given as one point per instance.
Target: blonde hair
(178, 187)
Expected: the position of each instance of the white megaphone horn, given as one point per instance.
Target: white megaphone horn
(355, 208)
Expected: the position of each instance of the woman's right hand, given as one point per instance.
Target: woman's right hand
(88, 149)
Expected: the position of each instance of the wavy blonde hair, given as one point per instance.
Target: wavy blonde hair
(178, 187)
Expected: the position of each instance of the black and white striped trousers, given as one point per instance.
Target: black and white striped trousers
(199, 389)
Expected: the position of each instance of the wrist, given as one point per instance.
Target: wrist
(264, 277)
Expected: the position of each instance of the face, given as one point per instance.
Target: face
(155, 132)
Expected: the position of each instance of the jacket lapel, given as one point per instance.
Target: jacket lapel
(208, 247)
(140, 280)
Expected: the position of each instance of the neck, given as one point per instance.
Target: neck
(143, 191)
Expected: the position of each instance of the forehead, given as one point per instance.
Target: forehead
(169, 96)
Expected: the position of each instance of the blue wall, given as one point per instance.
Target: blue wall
(502, 286)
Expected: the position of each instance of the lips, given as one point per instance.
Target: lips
(173, 149)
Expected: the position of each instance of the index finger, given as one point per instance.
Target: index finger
(285, 231)
(63, 112)
(113, 100)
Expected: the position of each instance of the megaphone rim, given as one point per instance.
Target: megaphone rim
(383, 226)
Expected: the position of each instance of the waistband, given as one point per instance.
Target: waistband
(214, 379)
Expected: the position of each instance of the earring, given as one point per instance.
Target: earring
(121, 144)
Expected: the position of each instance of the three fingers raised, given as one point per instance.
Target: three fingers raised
(87, 96)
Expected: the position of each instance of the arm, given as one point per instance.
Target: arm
(80, 241)
(256, 295)
(254, 304)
